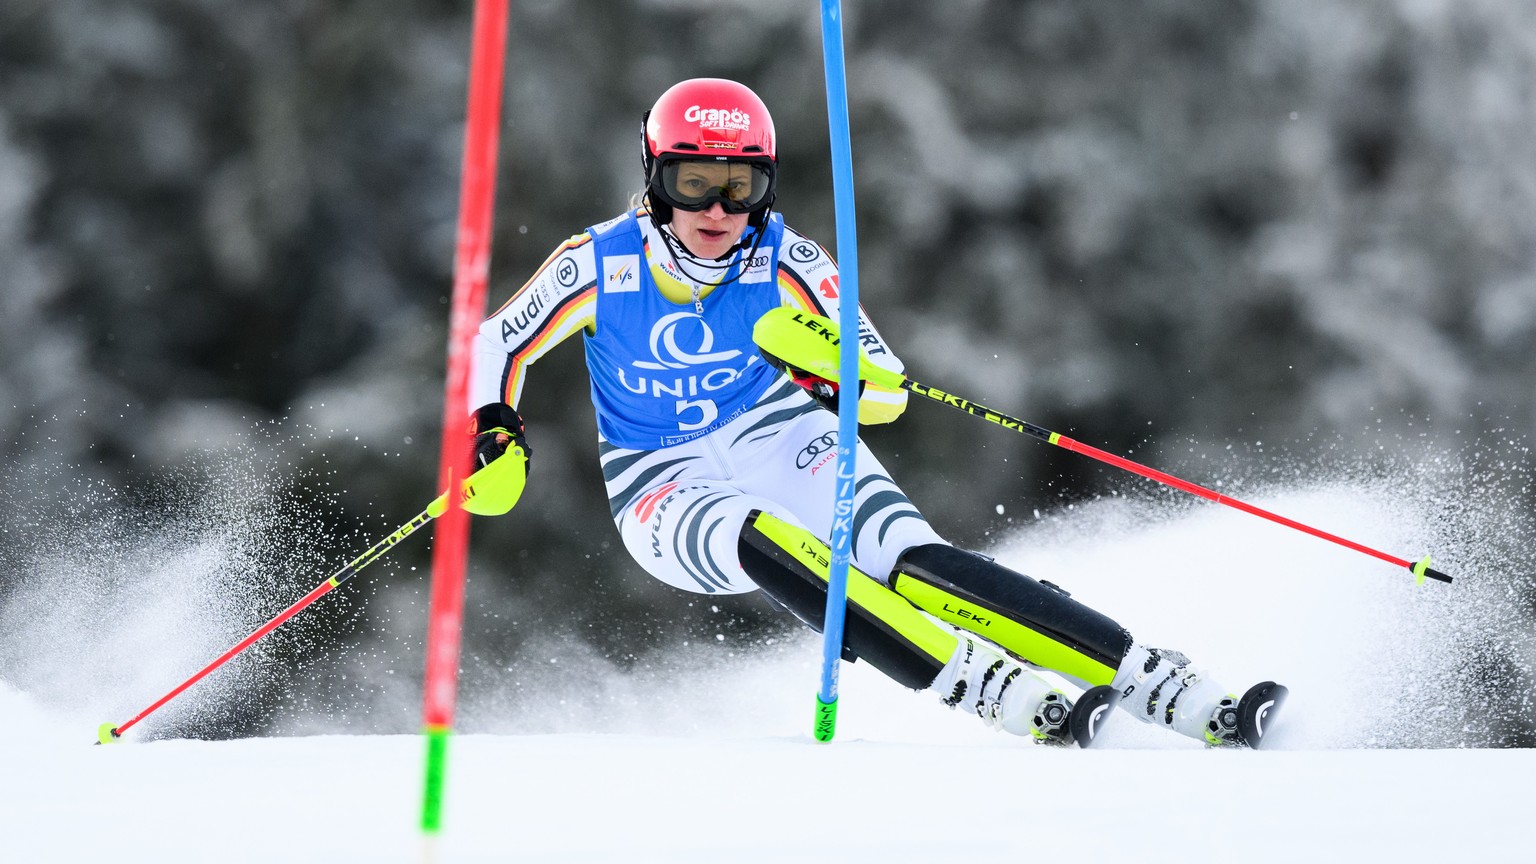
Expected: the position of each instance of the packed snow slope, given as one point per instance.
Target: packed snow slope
(876, 795)
(1384, 753)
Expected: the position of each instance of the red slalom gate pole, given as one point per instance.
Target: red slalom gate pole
(471, 267)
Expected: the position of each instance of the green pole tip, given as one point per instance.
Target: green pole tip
(826, 719)
(437, 766)
(106, 733)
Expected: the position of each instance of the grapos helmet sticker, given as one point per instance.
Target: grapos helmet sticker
(718, 118)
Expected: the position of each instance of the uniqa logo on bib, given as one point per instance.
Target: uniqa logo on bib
(718, 118)
(689, 327)
(691, 371)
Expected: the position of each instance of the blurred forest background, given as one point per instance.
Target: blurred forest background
(1164, 227)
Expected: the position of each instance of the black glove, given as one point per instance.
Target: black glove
(496, 427)
(821, 389)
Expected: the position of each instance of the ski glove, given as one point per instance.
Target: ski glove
(821, 389)
(496, 427)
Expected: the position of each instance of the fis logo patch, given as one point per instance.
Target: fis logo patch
(621, 273)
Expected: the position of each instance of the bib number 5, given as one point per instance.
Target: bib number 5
(706, 408)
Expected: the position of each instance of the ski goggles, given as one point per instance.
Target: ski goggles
(739, 185)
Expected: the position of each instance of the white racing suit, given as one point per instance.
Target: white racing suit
(680, 504)
(720, 474)
(680, 509)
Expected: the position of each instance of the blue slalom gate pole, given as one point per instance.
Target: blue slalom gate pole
(848, 358)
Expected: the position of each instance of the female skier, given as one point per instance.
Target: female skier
(717, 460)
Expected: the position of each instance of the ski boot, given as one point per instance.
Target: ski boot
(1242, 722)
(983, 681)
(1161, 687)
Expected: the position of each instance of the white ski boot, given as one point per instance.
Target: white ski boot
(1161, 687)
(982, 680)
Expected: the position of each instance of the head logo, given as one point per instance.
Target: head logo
(718, 118)
(1093, 721)
(673, 332)
(1261, 715)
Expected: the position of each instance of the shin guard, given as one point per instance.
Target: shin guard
(1036, 622)
(791, 566)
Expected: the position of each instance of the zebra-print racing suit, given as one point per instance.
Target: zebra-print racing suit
(680, 506)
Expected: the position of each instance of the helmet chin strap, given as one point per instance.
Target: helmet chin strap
(674, 244)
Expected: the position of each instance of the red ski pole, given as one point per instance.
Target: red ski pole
(491, 491)
(809, 342)
(110, 732)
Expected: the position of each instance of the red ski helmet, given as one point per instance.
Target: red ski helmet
(711, 121)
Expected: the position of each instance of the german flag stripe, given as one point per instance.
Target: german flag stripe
(804, 298)
(575, 306)
(576, 242)
(570, 315)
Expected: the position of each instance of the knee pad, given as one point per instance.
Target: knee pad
(791, 566)
(1037, 622)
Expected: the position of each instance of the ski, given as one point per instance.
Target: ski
(1257, 709)
(1089, 713)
